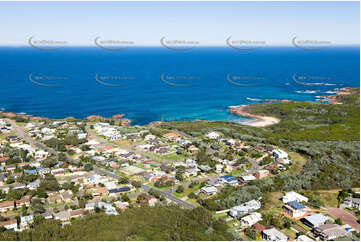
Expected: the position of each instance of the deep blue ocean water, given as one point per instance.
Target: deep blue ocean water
(155, 83)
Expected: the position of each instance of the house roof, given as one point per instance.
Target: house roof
(275, 233)
(296, 205)
(75, 212)
(4, 223)
(257, 227)
(6, 204)
(316, 219)
(119, 189)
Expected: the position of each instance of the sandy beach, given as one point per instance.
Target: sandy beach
(259, 121)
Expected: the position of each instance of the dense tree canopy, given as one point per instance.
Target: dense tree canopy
(156, 223)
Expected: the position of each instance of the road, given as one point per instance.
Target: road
(346, 217)
(20, 133)
(146, 188)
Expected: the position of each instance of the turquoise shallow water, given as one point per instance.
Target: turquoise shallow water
(149, 84)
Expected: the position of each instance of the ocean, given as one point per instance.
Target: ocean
(154, 83)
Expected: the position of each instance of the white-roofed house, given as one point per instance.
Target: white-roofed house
(273, 235)
(294, 196)
(251, 219)
(209, 190)
(315, 220)
(213, 135)
(245, 208)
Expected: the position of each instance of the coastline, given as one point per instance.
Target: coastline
(263, 121)
(240, 110)
(258, 120)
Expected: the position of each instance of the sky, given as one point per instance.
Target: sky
(208, 23)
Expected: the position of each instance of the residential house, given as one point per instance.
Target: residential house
(54, 199)
(315, 220)
(151, 200)
(219, 168)
(122, 205)
(5, 206)
(295, 209)
(228, 180)
(31, 172)
(42, 171)
(100, 191)
(62, 216)
(204, 168)
(171, 136)
(330, 231)
(304, 238)
(47, 215)
(67, 196)
(33, 185)
(258, 228)
(25, 201)
(294, 196)
(245, 208)
(5, 189)
(190, 172)
(247, 178)
(25, 221)
(41, 155)
(209, 190)
(262, 173)
(59, 171)
(109, 209)
(351, 203)
(115, 191)
(280, 154)
(251, 219)
(90, 206)
(10, 225)
(192, 149)
(76, 213)
(213, 135)
(273, 235)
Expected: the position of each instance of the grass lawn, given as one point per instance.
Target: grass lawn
(290, 233)
(187, 190)
(122, 142)
(298, 161)
(192, 201)
(172, 156)
(220, 215)
(237, 172)
(328, 197)
(272, 202)
(160, 188)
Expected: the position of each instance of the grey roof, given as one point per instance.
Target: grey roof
(316, 219)
(275, 234)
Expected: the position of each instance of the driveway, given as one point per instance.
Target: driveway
(346, 217)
